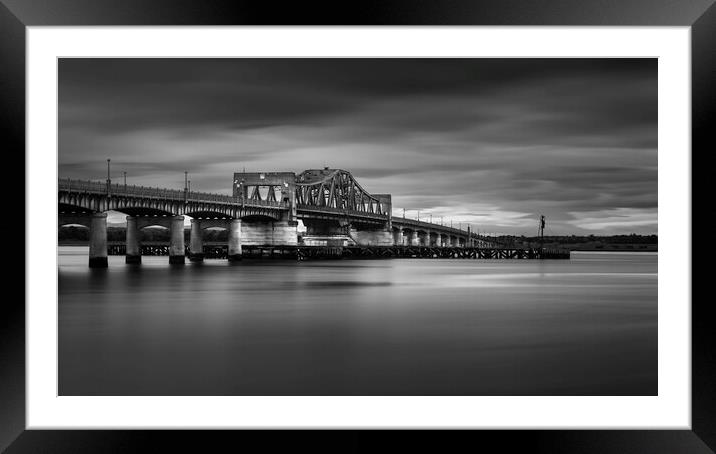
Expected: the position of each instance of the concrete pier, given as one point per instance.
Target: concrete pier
(433, 239)
(196, 247)
(133, 253)
(413, 238)
(98, 241)
(423, 238)
(176, 240)
(398, 236)
(234, 250)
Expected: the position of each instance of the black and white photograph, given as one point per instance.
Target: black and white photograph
(357, 226)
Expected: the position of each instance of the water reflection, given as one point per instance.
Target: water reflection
(410, 327)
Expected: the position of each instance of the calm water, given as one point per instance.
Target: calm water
(587, 326)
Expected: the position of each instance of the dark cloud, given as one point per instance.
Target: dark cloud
(493, 142)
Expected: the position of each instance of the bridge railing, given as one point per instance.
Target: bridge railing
(156, 192)
(414, 223)
(431, 226)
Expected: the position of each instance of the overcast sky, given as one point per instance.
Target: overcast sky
(490, 142)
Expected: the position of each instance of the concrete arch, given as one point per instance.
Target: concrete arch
(73, 217)
(84, 223)
(153, 226)
(73, 209)
(154, 221)
(136, 211)
(212, 223)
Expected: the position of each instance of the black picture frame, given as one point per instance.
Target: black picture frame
(16, 15)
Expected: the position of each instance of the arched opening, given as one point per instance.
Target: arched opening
(218, 235)
(143, 211)
(72, 233)
(154, 233)
(257, 218)
(68, 209)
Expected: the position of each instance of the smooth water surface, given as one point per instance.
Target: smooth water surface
(587, 326)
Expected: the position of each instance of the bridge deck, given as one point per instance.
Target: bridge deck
(181, 200)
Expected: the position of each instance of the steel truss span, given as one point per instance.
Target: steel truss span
(338, 190)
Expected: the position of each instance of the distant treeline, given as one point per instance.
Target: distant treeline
(614, 239)
(73, 234)
(585, 243)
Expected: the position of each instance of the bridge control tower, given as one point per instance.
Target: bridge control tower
(277, 187)
(272, 189)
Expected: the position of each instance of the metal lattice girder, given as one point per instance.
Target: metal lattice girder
(335, 189)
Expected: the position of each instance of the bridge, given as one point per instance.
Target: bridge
(263, 211)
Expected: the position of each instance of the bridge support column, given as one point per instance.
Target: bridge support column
(413, 238)
(235, 240)
(196, 247)
(98, 241)
(133, 253)
(398, 236)
(433, 239)
(176, 240)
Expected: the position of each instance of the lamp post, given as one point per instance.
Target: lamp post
(125, 181)
(418, 215)
(109, 181)
(186, 187)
